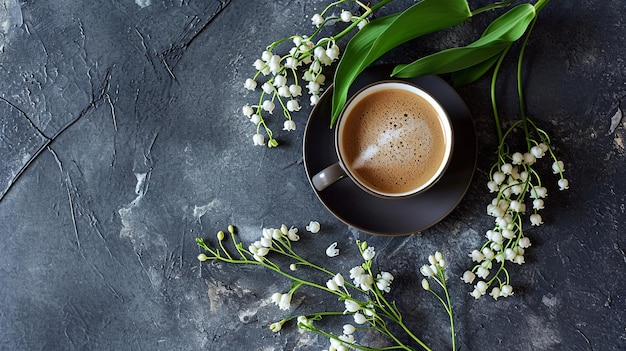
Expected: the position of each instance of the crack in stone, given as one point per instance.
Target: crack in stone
(30, 121)
(49, 140)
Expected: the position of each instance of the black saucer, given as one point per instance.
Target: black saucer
(371, 214)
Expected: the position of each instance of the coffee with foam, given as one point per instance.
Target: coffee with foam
(393, 142)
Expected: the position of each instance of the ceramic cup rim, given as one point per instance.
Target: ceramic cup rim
(444, 119)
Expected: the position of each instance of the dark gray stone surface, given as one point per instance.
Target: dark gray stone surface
(122, 140)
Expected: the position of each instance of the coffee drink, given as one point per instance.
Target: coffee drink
(392, 141)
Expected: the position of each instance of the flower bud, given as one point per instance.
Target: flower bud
(432, 259)
(250, 84)
(255, 119)
(518, 158)
(558, 167)
(247, 110)
(275, 327)
(348, 329)
(524, 243)
(537, 151)
(506, 290)
(258, 139)
(289, 125)
(338, 279)
(363, 245)
(482, 272)
(536, 220)
(352, 306)
(481, 286)
(369, 253)
(220, 235)
(333, 52)
(259, 65)
(359, 318)
(506, 168)
(293, 105)
(495, 293)
(468, 277)
(292, 234)
(425, 284)
(438, 256)
(203, 257)
(295, 90)
(477, 256)
(346, 16)
(427, 271)
(317, 20)
(313, 227)
(266, 242)
(331, 285)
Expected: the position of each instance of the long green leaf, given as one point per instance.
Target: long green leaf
(471, 74)
(497, 36)
(386, 33)
(448, 60)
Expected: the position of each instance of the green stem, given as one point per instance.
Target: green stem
(224, 249)
(540, 5)
(362, 17)
(520, 93)
(271, 265)
(451, 314)
(413, 336)
(494, 79)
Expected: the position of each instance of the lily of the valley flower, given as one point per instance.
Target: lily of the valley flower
(313, 227)
(383, 281)
(369, 253)
(332, 250)
(283, 301)
(288, 73)
(335, 282)
(351, 306)
(515, 181)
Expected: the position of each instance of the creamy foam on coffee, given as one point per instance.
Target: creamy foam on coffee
(392, 141)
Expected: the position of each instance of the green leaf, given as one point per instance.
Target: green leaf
(386, 33)
(448, 60)
(496, 38)
(471, 74)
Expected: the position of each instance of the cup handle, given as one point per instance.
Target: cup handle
(328, 176)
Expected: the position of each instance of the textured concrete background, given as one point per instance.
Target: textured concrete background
(122, 140)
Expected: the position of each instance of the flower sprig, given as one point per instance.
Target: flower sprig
(363, 296)
(516, 180)
(308, 56)
(436, 272)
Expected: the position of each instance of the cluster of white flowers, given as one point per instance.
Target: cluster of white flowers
(436, 263)
(361, 311)
(336, 282)
(514, 179)
(344, 341)
(362, 279)
(261, 247)
(363, 295)
(282, 85)
(433, 270)
(283, 301)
